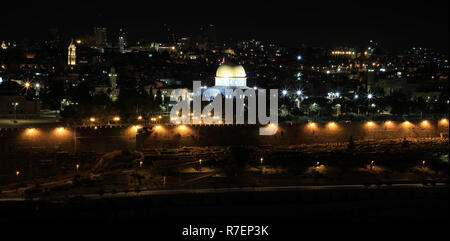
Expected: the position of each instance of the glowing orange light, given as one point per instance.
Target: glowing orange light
(158, 127)
(271, 125)
(27, 85)
(92, 119)
(136, 127)
(139, 117)
(370, 123)
(31, 130)
(60, 129)
(312, 124)
(388, 123)
(331, 124)
(444, 121)
(116, 118)
(425, 123)
(407, 123)
(181, 127)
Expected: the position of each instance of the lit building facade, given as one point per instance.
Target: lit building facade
(71, 55)
(122, 41)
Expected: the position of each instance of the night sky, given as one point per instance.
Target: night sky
(393, 24)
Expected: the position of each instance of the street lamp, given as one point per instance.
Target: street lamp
(15, 104)
(31, 130)
(406, 123)
(284, 92)
(136, 127)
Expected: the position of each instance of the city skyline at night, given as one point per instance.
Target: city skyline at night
(394, 25)
(225, 120)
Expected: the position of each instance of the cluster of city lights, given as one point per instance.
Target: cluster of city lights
(28, 85)
(298, 92)
(343, 52)
(117, 118)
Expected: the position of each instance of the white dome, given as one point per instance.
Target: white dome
(230, 71)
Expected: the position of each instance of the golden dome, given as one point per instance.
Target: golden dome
(230, 71)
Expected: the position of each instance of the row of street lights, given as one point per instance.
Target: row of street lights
(424, 123)
(35, 131)
(117, 118)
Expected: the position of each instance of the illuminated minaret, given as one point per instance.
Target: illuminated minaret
(71, 55)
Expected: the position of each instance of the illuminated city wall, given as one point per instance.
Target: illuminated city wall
(50, 138)
(26, 147)
(312, 133)
(105, 139)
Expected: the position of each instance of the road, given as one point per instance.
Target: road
(236, 189)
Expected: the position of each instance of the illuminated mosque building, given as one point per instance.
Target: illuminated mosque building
(230, 76)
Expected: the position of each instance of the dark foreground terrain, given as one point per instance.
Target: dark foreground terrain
(287, 212)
